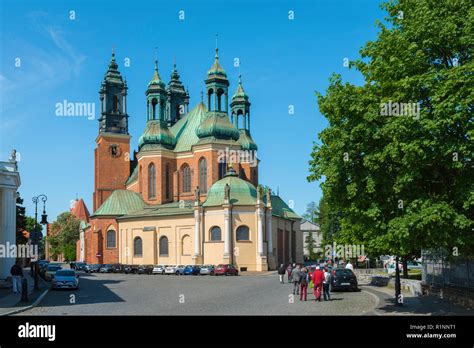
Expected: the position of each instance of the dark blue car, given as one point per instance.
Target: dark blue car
(194, 270)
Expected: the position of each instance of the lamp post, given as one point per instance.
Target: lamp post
(44, 221)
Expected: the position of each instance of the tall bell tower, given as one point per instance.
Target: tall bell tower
(112, 154)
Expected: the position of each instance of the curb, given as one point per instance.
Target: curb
(21, 309)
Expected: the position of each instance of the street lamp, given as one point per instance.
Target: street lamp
(44, 221)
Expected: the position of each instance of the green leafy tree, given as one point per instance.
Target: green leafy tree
(398, 184)
(64, 234)
(312, 212)
(311, 244)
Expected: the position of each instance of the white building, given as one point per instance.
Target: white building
(306, 228)
(9, 183)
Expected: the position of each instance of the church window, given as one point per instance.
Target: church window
(167, 181)
(111, 239)
(163, 246)
(203, 175)
(153, 108)
(137, 247)
(222, 169)
(216, 234)
(186, 184)
(242, 233)
(151, 181)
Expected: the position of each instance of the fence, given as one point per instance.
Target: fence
(455, 272)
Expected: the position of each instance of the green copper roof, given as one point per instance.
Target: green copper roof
(120, 202)
(240, 93)
(133, 177)
(281, 209)
(216, 68)
(185, 129)
(246, 141)
(241, 192)
(216, 124)
(156, 133)
(113, 75)
(156, 82)
(167, 209)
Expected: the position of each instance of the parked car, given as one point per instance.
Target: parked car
(145, 269)
(179, 270)
(93, 268)
(65, 279)
(414, 265)
(51, 271)
(226, 270)
(130, 269)
(343, 279)
(117, 268)
(207, 269)
(191, 270)
(170, 269)
(159, 269)
(80, 266)
(106, 269)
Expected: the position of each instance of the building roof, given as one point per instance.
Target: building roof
(216, 125)
(120, 202)
(185, 129)
(156, 134)
(242, 192)
(156, 81)
(216, 68)
(308, 226)
(246, 141)
(167, 209)
(240, 92)
(80, 211)
(281, 209)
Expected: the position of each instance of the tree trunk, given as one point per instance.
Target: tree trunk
(405, 268)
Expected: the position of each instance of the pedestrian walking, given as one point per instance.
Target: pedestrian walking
(289, 269)
(295, 279)
(326, 283)
(17, 275)
(318, 278)
(281, 273)
(304, 279)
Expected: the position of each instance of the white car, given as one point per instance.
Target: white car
(170, 269)
(159, 269)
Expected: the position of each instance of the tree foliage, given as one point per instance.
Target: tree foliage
(398, 184)
(64, 234)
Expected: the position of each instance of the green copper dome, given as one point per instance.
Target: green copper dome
(241, 192)
(156, 81)
(240, 93)
(216, 124)
(216, 68)
(156, 134)
(246, 141)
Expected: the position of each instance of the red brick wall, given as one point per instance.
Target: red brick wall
(110, 173)
(95, 242)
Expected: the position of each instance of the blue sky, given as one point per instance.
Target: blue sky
(282, 63)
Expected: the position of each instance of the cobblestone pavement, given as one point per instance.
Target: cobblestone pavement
(129, 294)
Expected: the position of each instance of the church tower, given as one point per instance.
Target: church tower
(111, 156)
(178, 98)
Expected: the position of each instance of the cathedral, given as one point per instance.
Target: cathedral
(181, 198)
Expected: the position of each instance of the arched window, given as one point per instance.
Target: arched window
(220, 92)
(167, 181)
(151, 181)
(210, 101)
(203, 175)
(163, 246)
(215, 234)
(162, 110)
(111, 239)
(222, 169)
(153, 108)
(186, 184)
(242, 233)
(137, 247)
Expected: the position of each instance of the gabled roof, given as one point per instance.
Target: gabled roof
(281, 209)
(80, 211)
(120, 202)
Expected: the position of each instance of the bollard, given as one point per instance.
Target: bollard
(24, 290)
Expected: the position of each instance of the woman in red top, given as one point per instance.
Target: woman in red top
(318, 278)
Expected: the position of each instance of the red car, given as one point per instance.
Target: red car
(226, 270)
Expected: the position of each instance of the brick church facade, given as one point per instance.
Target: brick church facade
(181, 154)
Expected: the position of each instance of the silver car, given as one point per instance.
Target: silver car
(207, 269)
(65, 279)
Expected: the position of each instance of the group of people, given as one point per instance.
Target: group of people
(301, 278)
